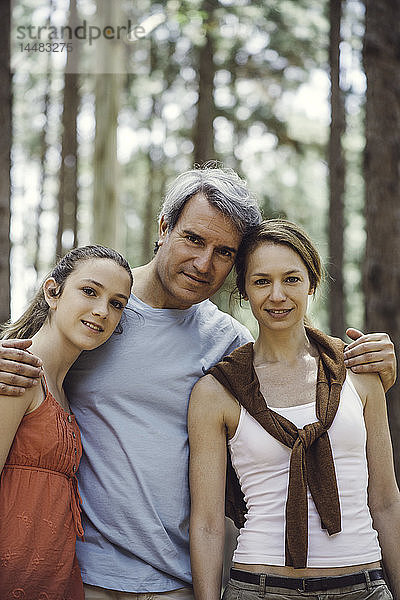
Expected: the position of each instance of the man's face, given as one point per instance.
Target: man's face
(194, 258)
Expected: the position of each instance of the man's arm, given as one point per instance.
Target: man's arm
(19, 370)
(372, 353)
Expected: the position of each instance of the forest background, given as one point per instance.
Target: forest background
(103, 103)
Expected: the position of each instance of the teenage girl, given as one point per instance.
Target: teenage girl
(317, 504)
(77, 308)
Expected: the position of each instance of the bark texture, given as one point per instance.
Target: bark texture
(203, 137)
(109, 84)
(382, 180)
(336, 177)
(5, 159)
(68, 190)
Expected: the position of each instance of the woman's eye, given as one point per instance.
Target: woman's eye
(293, 279)
(261, 281)
(89, 291)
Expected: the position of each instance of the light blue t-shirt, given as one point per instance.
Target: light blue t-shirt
(130, 397)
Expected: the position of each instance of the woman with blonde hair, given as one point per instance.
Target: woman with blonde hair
(310, 477)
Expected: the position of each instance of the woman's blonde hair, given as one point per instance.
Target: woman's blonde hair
(38, 310)
(279, 231)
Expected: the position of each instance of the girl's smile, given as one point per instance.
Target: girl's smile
(94, 297)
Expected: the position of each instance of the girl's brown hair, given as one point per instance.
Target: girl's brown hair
(36, 313)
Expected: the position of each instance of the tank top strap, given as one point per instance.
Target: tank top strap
(42, 380)
(44, 385)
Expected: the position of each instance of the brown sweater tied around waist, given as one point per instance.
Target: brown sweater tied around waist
(311, 461)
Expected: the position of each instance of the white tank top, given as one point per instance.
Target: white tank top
(262, 465)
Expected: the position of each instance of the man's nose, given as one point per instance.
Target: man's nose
(203, 260)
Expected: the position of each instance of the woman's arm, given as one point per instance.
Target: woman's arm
(207, 472)
(383, 493)
(11, 413)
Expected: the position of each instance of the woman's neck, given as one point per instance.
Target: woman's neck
(285, 346)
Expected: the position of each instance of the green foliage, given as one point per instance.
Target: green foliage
(271, 125)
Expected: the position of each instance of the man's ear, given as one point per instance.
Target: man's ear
(162, 230)
(51, 291)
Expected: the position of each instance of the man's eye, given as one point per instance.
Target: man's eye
(193, 239)
(89, 291)
(226, 253)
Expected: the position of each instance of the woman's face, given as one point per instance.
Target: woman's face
(277, 286)
(91, 303)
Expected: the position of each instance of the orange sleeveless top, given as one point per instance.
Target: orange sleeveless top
(40, 508)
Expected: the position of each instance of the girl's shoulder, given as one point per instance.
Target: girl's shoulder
(27, 402)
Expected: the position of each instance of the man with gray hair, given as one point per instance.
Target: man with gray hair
(130, 396)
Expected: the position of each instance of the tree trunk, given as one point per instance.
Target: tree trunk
(43, 151)
(43, 154)
(106, 201)
(152, 201)
(68, 190)
(336, 177)
(109, 84)
(203, 138)
(5, 160)
(382, 183)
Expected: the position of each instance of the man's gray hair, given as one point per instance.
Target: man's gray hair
(224, 190)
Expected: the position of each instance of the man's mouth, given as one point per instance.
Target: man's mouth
(92, 326)
(195, 279)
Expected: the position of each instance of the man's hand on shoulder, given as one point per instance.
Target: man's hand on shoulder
(372, 353)
(19, 370)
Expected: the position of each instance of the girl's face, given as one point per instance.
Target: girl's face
(277, 286)
(91, 303)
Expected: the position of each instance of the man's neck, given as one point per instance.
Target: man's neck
(145, 285)
(149, 289)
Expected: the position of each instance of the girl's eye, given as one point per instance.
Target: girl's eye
(89, 291)
(117, 304)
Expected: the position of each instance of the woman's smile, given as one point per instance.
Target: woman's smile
(277, 286)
